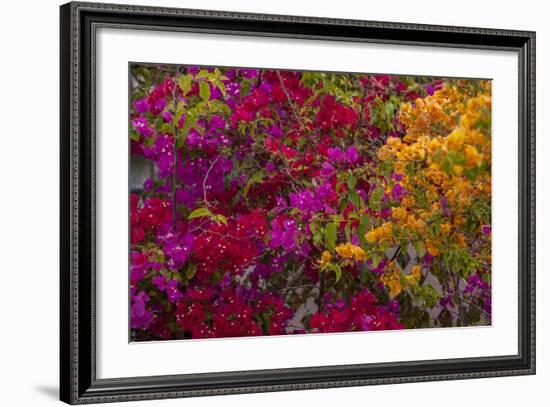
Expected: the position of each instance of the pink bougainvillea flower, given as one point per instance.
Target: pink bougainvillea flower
(335, 154)
(140, 316)
(283, 234)
(397, 191)
(142, 127)
(351, 155)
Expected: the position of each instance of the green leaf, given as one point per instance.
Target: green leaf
(448, 163)
(317, 238)
(330, 236)
(354, 215)
(347, 231)
(257, 177)
(410, 169)
(191, 270)
(203, 73)
(185, 83)
(362, 229)
(180, 141)
(389, 109)
(220, 86)
(376, 259)
(204, 91)
(374, 113)
(220, 219)
(351, 181)
(199, 213)
(420, 249)
(245, 88)
(354, 198)
(382, 110)
(337, 271)
(375, 197)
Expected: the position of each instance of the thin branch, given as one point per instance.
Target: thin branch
(396, 253)
(173, 185)
(294, 111)
(206, 178)
(297, 286)
(470, 304)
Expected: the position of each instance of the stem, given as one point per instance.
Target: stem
(175, 153)
(321, 291)
(471, 304)
(294, 111)
(461, 308)
(297, 287)
(396, 253)
(296, 115)
(293, 181)
(206, 178)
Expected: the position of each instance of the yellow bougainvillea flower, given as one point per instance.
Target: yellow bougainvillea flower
(434, 145)
(443, 161)
(461, 240)
(395, 288)
(416, 272)
(326, 257)
(371, 236)
(344, 250)
(473, 157)
(392, 279)
(445, 228)
(398, 213)
(455, 140)
(408, 201)
(414, 277)
(358, 253)
(459, 221)
(432, 248)
(380, 234)
(349, 250)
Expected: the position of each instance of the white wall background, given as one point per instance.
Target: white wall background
(29, 163)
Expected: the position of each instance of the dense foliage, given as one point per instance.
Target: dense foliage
(301, 202)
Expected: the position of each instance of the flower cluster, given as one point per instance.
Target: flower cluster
(362, 314)
(231, 312)
(285, 202)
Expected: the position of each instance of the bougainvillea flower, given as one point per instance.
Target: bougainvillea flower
(140, 315)
(142, 127)
(327, 170)
(283, 234)
(141, 105)
(397, 191)
(351, 155)
(274, 202)
(335, 154)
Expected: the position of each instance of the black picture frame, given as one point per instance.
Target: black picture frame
(78, 382)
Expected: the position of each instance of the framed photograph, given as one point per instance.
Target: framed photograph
(255, 203)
